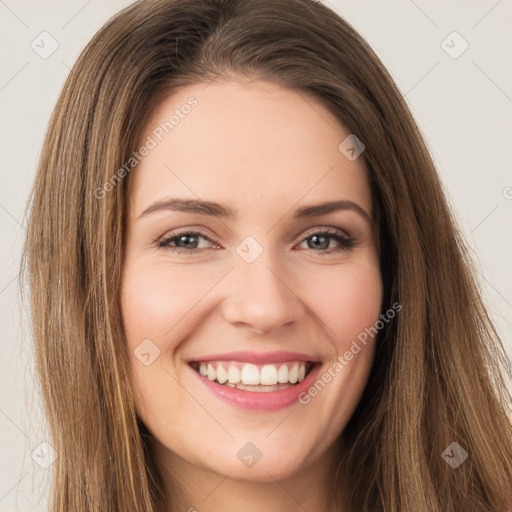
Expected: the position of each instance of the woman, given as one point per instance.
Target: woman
(321, 343)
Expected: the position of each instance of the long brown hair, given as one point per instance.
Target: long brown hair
(439, 370)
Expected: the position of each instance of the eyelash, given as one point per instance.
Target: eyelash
(346, 242)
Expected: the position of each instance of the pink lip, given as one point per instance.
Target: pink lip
(259, 401)
(257, 357)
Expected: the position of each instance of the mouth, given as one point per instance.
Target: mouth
(255, 378)
(256, 381)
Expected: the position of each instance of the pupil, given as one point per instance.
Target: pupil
(183, 239)
(316, 238)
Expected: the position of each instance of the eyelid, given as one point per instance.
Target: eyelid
(194, 230)
(327, 229)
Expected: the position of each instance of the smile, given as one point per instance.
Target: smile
(253, 377)
(258, 381)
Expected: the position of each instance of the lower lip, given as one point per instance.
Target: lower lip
(260, 400)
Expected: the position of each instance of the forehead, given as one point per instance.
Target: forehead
(254, 146)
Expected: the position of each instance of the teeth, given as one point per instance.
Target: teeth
(269, 375)
(234, 375)
(264, 389)
(211, 373)
(302, 372)
(250, 376)
(282, 374)
(222, 375)
(293, 376)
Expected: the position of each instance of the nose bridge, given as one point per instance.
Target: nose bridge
(259, 295)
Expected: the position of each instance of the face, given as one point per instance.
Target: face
(238, 315)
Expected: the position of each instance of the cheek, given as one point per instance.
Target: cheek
(155, 300)
(348, 300)
(157, 304)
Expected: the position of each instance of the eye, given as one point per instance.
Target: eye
(322, 240)
(189, 242)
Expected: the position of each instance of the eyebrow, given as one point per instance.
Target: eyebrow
(213, 209)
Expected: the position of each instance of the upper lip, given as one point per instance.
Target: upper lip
(257, 357)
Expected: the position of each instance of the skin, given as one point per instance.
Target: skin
(264, 151)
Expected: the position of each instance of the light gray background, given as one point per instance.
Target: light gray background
(462, 105)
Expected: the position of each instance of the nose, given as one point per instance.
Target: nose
(261, 297)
